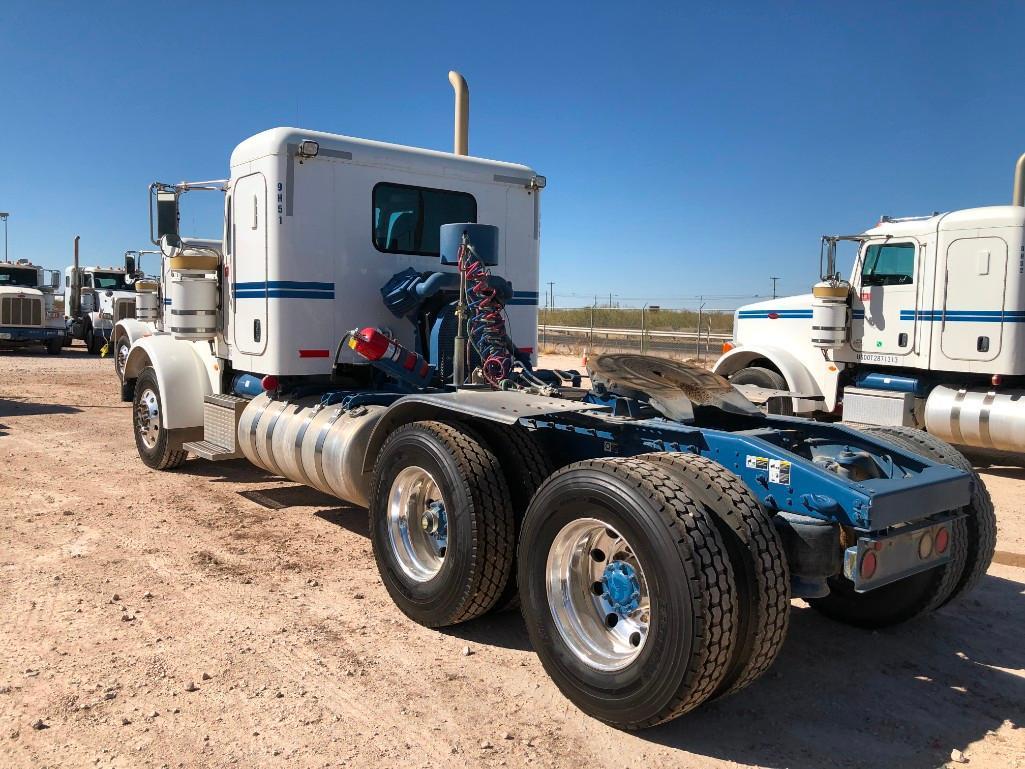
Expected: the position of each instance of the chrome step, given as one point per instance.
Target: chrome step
(211, 451)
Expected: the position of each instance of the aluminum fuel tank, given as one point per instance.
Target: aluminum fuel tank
(320, 446)
(981, 417)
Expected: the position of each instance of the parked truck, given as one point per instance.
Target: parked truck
(367, 324)
(149, 306)
(29, 316)
(95, 298)
(928, 330)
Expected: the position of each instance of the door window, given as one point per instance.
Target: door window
(889, 264)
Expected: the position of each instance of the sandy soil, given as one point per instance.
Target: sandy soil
(215, 617)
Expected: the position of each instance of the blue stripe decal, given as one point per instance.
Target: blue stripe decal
(782, 314)
(301, 284)
(284, 293)
(525, 294)
(522, 301)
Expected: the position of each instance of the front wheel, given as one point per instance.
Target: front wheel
(121, 349)
(627, 592)
(151, 437)
(93, 341)
(442, 525)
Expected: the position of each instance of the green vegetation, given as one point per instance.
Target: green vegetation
(654, 320)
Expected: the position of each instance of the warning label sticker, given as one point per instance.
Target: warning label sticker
(757, 463)
(779, 471)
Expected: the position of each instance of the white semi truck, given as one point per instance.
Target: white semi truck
(927, 332)
(367, 326)
(29, 315)
(96, 298)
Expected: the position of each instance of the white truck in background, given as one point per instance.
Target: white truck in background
(29, 316)
(928, 331)
(97, 298)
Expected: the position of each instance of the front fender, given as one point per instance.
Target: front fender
(182, 375)
(800, 378)
(133, 329)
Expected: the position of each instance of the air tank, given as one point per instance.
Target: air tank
(319, 446)
(147, 302)
(830, 315)
(193, 293)
(980, 417)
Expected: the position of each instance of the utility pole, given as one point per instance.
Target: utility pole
(773, 279)
(4, 215)
(551, 293)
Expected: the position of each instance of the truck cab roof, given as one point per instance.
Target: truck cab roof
(963, 219)
(277, 141)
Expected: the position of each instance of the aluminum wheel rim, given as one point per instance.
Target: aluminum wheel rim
(417, 524)
(602, 630)
(122, 358)
(147, 418)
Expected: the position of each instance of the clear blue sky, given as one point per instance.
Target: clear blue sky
(689, 149)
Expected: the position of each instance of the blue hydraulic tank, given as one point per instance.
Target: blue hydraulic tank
(483, 238)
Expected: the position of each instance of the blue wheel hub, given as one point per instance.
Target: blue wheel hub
(435, 523)
(620, 587)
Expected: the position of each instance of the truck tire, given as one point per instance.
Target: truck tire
(526, 466)
(55, 345)
(912, 596)
(441, 523)
(756, 553)
(93, 341)
(980, 518)
(151, 439)
(772, 380)
(121, 348)
(601, 539)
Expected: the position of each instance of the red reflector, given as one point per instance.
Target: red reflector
(527, 350)
(942, 541)
(996, 380)
(868, 565)
(269, 383)
(773, 315)
(314, 353)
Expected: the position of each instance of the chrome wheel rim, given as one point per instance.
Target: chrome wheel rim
(147, 418)
(417, 524)
(598, 595)
(121, 359)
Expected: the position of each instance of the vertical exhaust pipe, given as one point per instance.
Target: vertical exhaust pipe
(462, 116)
(1018, 198)
(74, 306)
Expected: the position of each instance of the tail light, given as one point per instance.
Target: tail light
(869, 563)
(942, 540)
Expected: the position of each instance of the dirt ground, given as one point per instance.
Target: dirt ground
(215, 616)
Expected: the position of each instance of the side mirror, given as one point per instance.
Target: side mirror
(167, 214)
(170, 245)
(55, 280)
(129, 264)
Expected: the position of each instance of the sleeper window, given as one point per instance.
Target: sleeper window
(407, 220)
(889, 264)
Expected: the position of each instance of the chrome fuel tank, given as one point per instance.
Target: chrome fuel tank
(320, 446)
(980, 417)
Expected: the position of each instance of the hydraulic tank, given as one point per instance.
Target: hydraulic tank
(877, 380)
(980, 417)
(483, 238)
(830, 315)
(193, 306)
(320, 446)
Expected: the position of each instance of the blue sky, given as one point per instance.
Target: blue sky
(690, 149)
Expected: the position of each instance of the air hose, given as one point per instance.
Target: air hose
(486, 321)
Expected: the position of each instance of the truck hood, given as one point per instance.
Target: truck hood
(16, 290)
(799, 302)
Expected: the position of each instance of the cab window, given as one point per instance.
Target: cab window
(407, 220)
(888, 264)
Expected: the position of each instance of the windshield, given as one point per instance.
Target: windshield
(111, 280)
(18, 276)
